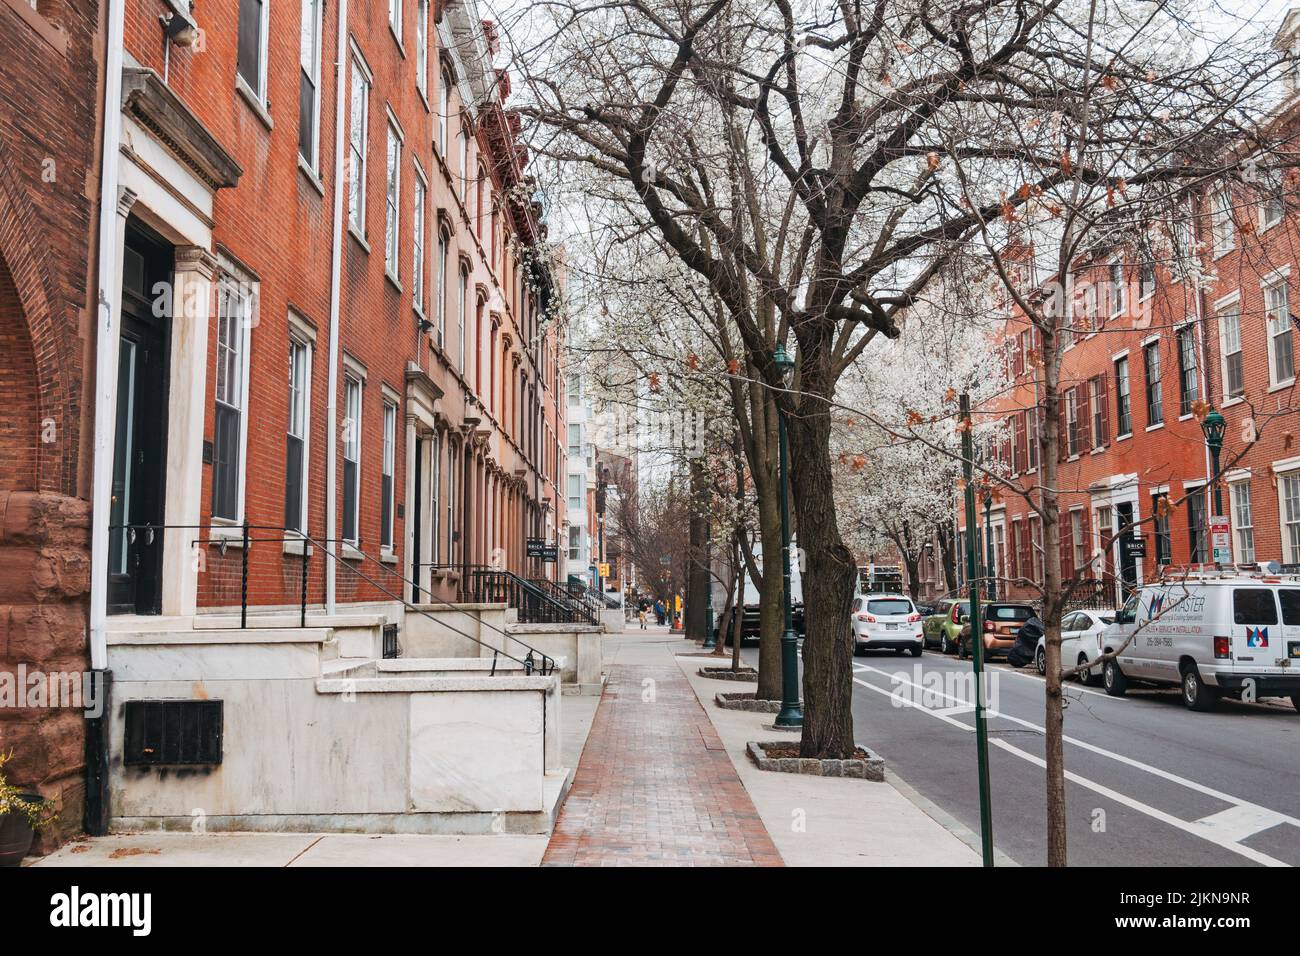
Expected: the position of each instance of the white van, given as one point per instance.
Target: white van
(1236, 634)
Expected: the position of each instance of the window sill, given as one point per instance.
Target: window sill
(396, 39)
(226, 534)
(387, 556)
(1152, 428)
(1287, 383)
(294, 546)
(392, 280)
(260, 109)
(360, 239)
(1124, 437)
(1097, 451)
(1229, 402)
(349, 552)
(1183, 418)
(304, 167)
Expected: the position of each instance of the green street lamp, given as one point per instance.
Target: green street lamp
(710, 642)
(791, 714)
(1213, 428)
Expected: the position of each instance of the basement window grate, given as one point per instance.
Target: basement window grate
(173, 732)
(392, 650)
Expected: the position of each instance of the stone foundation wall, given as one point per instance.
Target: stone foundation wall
(44, 587)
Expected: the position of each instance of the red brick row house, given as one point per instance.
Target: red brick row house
(1150, 350)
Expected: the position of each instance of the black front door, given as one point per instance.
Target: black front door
(140, 452)
(1127, 562)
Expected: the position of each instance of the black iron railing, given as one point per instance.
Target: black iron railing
(582, 611)
(533, 606)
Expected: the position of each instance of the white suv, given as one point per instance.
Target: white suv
(886, 622)
(1234, 634)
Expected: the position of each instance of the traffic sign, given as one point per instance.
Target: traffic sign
(1221, 539)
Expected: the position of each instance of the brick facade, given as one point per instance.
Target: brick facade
(49, 87)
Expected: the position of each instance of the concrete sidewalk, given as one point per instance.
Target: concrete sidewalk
(827, 821)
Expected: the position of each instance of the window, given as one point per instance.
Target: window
(1281, 360)
(1123, 416)
(251, 54)
(1188, 385)
(1243, 524)
(1272, 206)
(1160, 531)
(1072, 421)
(451, 504)
(422, 47)
(357, 134)
(461, 305)
(435, 475)
(1117, 290)
(233, 314)
(1151, 360)
(575, 440)
(1197, 552)
(351, 457)
(1078, 540)
(1031, 430)
(1221, 232)
(1036, 548)
(575, 543)
(444, 110)
(1253, 606)
(309, 82)
(395, 18)
(462, 170)
(417, 242)
(1146, 278)
(1097, 411)
(386, 478)
(1104, 541)
(440, 291)
(576, 483)
(295, 461)
(1234, 384)
(1289, 490)
(482, 195)
(392, 199)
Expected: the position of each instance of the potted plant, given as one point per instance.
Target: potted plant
(21, 815)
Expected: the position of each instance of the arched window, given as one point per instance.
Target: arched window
(482, 192)
(462, 170)
(444, 110)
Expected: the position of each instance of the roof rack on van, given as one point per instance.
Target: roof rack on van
(1209, 572)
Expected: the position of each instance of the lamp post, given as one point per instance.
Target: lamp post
(791, 714)
(989, 570)
(1213, 428)
(709, 642)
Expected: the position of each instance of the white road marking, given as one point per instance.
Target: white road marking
(1220, 836)
(1242, 821)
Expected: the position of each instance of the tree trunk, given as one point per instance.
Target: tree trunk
(697, 569)
(944, 536)
(771, 614)
(828, 576)
(724, 622)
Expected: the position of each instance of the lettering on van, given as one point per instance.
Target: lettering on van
(1168, 605)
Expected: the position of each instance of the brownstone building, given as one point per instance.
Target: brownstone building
(50, 54)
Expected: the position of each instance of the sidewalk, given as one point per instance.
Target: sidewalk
(655, 786)
(828, 821)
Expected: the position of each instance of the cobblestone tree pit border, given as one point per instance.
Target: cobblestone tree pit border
(870, 767)
(726, 673)
(747, 701)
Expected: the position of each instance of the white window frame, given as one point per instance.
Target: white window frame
(440, 288)
(422, 48)
(352, 435)
(462, 305)
(1223, 234)
(444, 110)
(234, 285)
(1278, 279)
(395, 19)
(1236, 485)
(299, 340)
(358, 142)
(1118, 290)
(258, 94)
(1229, 305)
(388, 469)
(419, 226)
(462, 140)
(313, 161)
(393, 200)
(435, 476)
(1290, 542)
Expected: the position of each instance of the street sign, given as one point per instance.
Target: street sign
(602, 570)
(540, 548)
(1135, 546)
(1221, 539)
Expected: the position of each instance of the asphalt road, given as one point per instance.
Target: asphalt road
(1149, 783)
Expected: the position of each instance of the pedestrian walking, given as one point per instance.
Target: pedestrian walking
(642, 615)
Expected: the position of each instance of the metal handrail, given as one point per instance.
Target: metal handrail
(578, 604)
(246, 538)
(533, 605)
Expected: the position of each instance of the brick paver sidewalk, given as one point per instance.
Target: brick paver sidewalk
(655, 785)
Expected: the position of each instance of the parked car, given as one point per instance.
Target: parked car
(886, 622)
(1235, 634)
(1081, 642)
(941, 628)
(1001, 621)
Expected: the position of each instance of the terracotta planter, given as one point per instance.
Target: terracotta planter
(16, 834)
